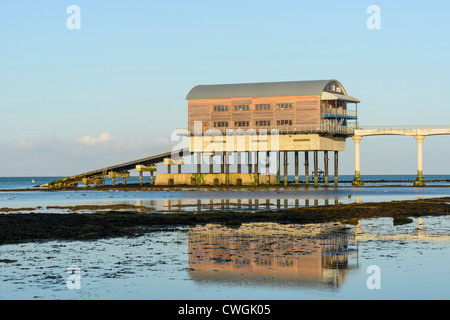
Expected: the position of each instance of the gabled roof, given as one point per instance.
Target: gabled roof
(263, 89)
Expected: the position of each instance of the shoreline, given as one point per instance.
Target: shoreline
(149, 187)
(107, 222)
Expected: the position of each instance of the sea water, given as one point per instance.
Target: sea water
(376, 188)
(373, 260)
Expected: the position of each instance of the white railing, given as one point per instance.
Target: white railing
(323, 128)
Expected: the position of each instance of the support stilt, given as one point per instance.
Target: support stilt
(199, 163)
(419, 180)
(211, 164)
(256, 167)
(222, 164)
(239, 162)
(278, 167)
(357, 181)
(306, 168)
(285, 166)
(336, 168)
(316, 168)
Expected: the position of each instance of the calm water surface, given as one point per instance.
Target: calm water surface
(232, 199)
(256, 261)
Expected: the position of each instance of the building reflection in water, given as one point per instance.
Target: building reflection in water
(274, 254)
(205, 205)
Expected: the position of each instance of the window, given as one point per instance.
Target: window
(241, 123)
(284, 122)
(261, 107)
(242, 107)
(220, 108)
(221, 124)
(262, 123)
(284, 106)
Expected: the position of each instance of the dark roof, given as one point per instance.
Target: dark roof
(263, 89)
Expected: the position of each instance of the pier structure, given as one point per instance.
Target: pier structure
(253, 124)
(418, 132)
(260, 125)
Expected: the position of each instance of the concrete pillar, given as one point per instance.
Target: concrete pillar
(256, 167)
(267, 163)
(118, 175)
(222, 164)
(306, 167)
(169, 169)
(151, 177)
(419, 181)
(325, 160)
(141, 178)
(113, 181)
(336, 168)
(278, 167)
(316, 168)
(179, 168)
(211, 164)
(357, 181)
(239, 170)
(285, 166)
(199, 163)
(227, 164)
(296, 166)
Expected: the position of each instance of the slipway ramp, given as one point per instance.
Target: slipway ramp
(72, 181)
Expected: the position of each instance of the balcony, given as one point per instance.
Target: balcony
(332, 113)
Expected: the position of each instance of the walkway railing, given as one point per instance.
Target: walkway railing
(403, 127)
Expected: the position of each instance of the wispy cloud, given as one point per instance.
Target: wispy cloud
(25, 144)
(104, 136)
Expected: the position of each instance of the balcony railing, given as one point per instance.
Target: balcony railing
(332, 112)
(323, 128)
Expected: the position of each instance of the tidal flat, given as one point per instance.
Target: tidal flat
(106, 221)
(257, 260)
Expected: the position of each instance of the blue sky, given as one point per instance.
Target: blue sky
(127, 71)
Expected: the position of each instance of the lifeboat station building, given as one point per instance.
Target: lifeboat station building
(254, 126)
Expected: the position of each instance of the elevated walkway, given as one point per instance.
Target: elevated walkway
(418, 132)
(403, 130)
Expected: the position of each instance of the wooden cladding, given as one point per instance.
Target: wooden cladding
(298, 110)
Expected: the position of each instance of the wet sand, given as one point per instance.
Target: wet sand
(109, 221)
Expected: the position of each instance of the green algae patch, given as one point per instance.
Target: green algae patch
(351, 221)
(233, 223)
(401, 220)
(7, 261)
